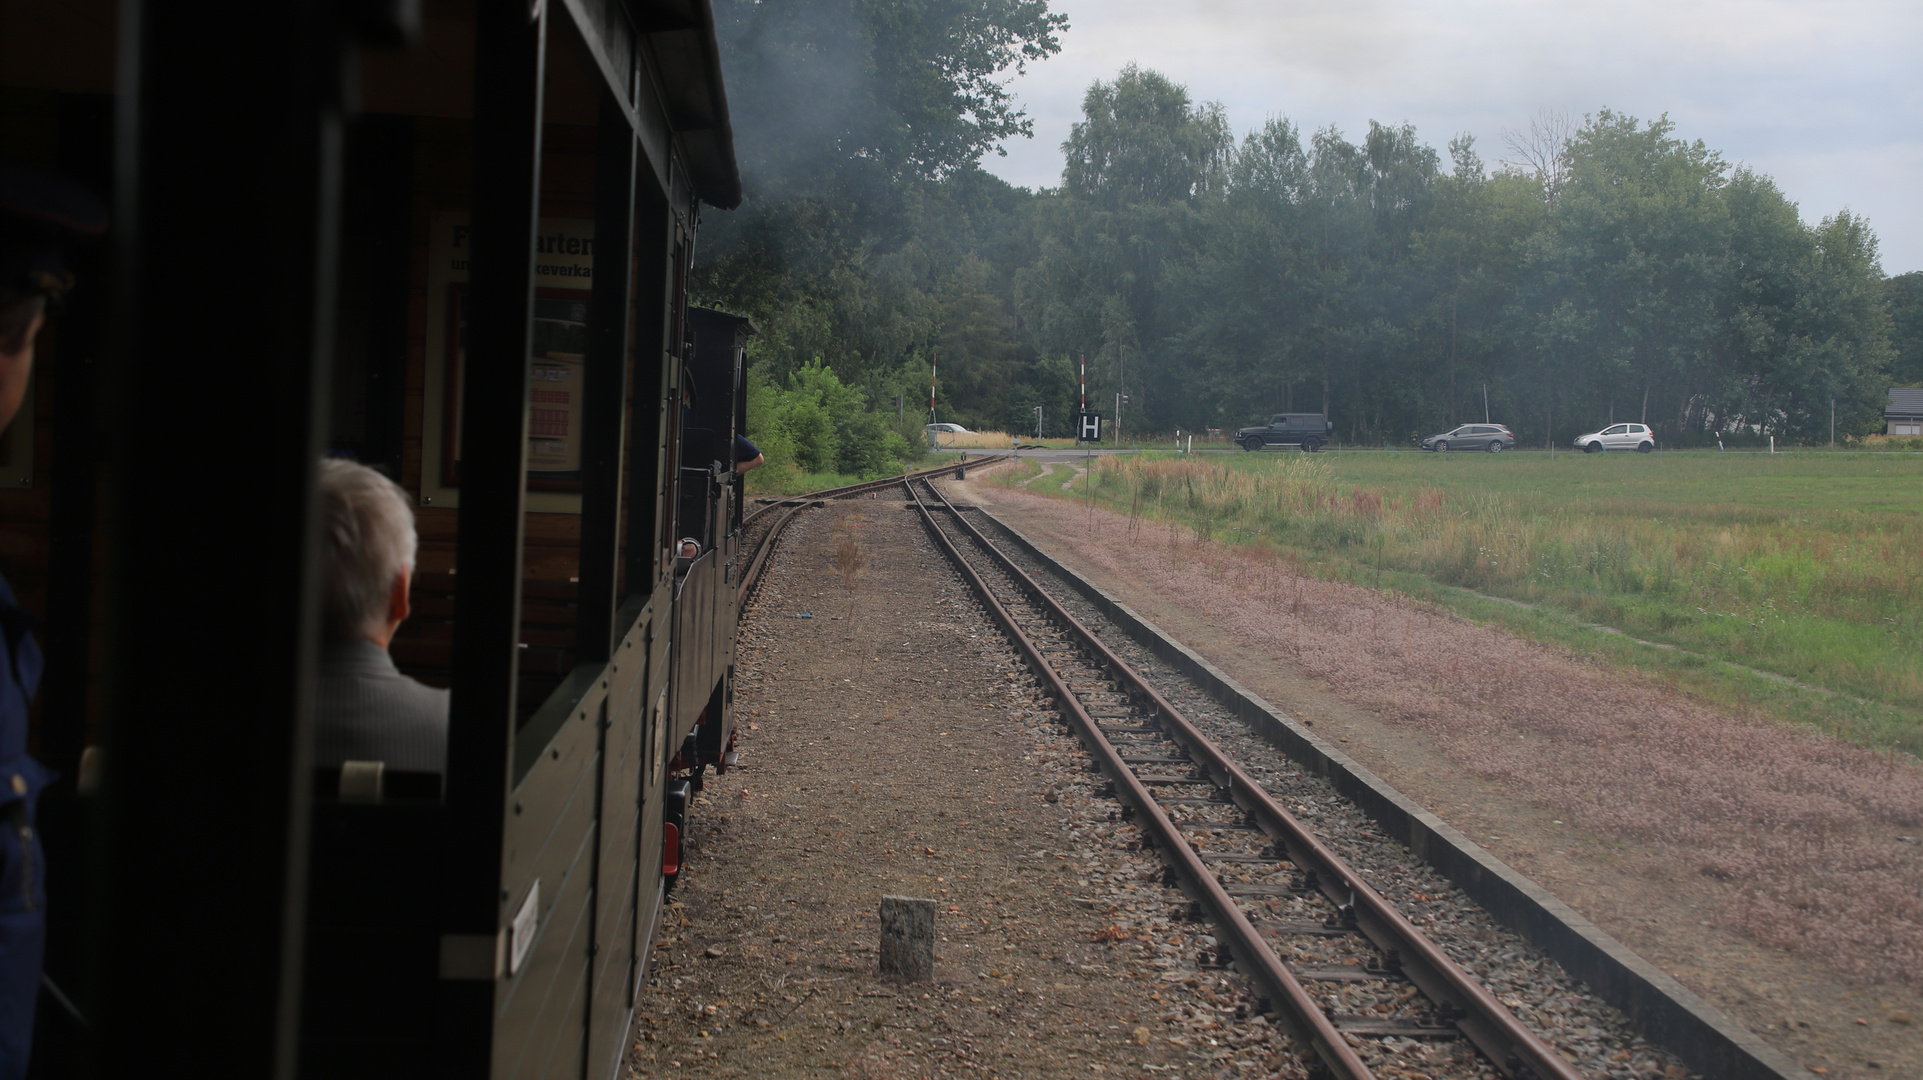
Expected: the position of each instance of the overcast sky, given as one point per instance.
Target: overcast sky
(1827, 97)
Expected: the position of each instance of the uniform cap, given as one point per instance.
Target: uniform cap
(40, 214)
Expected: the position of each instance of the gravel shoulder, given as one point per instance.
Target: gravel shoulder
(1699, 926)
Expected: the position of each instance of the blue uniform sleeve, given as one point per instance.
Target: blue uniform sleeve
(23, 872)
(745, 450)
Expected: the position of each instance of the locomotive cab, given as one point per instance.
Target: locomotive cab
(709, 514)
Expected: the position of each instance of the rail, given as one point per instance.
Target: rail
(872, 485)
(1460, 1002)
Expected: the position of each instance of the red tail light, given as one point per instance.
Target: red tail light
(670, 849)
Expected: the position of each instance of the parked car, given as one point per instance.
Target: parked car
(1494, 438)
(1636, 437)
(1310, 431)
(949, 429)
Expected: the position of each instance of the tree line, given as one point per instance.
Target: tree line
(1604, 269)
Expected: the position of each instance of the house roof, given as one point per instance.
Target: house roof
(1904, 401)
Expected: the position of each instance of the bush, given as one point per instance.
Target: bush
(819, 425)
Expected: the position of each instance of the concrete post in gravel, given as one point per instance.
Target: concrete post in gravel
(908, 938)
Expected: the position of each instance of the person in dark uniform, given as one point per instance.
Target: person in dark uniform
(746, 454)
(39, 215)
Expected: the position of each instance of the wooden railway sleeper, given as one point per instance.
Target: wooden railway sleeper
(1496, 1032)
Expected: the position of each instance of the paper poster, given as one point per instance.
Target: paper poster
(557, 362)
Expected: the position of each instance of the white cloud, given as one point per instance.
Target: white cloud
(1825, 97)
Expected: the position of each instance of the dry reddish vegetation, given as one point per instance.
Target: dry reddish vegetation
(1813, 838)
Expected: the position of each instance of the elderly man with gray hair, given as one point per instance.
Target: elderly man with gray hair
(366, 709)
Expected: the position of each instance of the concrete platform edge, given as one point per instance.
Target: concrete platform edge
(1663, 1010)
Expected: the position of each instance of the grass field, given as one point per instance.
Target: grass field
(1808, 567)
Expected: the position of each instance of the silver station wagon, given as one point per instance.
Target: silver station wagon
(1494, 438)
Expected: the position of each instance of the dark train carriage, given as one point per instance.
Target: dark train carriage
(709, 514)
(450, 240)
(698, 726)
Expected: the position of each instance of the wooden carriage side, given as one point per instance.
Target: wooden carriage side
(272, 260)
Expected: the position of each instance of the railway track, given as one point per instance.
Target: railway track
(763, 527)
(1279, 897)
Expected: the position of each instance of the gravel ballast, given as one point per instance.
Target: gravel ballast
(891, 743)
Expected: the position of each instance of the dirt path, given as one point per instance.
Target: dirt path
(892, 744)
(1073, 472)
(1795, 909)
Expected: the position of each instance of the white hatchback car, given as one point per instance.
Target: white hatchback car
(1636, 437)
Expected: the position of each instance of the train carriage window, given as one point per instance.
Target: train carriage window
(564, 259)
(557, 381)
(564, 264)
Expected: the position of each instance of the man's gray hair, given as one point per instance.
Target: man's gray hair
(367, 537)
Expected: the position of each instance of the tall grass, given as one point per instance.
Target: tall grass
(977, 440)
(1812, 569)
(1888, 442)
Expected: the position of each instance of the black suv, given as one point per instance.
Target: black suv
(1309, 430)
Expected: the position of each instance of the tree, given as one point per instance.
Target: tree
(1137, 164)
(1467, 253)
(1142, 143)
(858, 124)
(1629, 268)
(1542, 151)
(1240, 286)
(1903, 299)
(1605, 269)
(858, 92)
